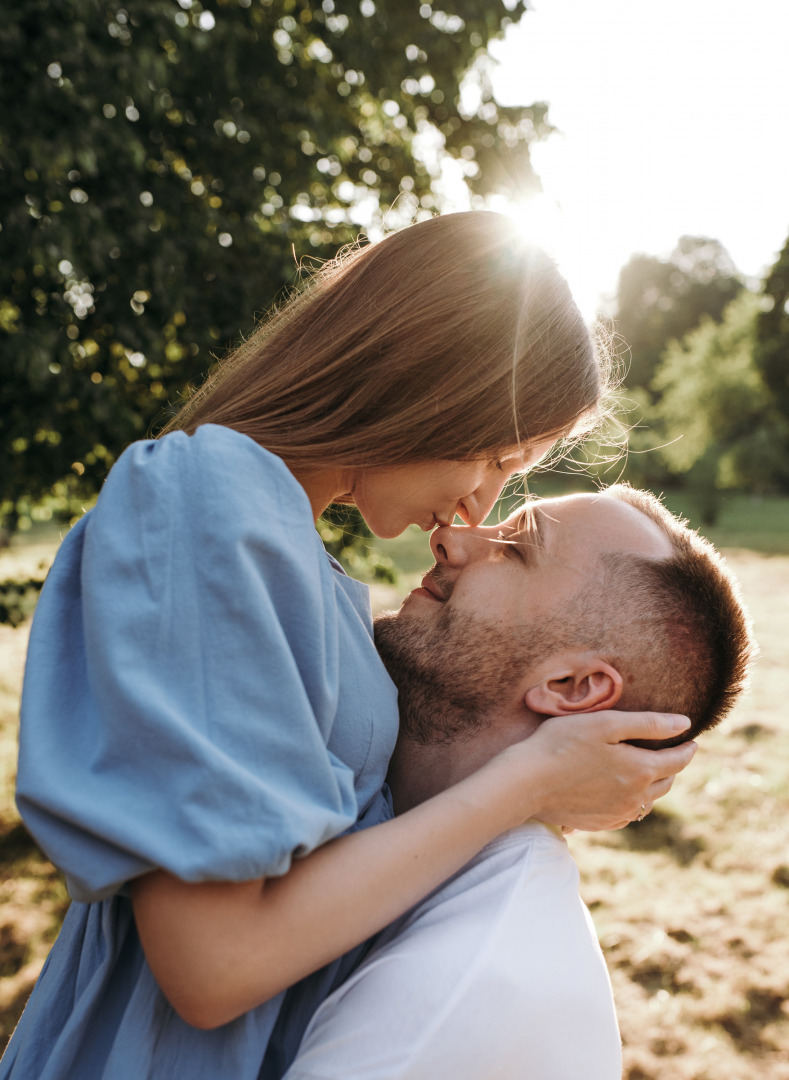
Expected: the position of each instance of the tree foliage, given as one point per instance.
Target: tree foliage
(716, 416)
(772, 347)
(703, 405)
(661, 300)
(163, 163)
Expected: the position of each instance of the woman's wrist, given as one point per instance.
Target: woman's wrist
(504, 792)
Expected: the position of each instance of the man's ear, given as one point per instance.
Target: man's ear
(578, 688)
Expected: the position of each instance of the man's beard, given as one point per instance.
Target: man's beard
(450, 673)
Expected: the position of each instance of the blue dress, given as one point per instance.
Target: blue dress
(202, 694)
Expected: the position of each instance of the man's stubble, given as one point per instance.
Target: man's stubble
(450, 672)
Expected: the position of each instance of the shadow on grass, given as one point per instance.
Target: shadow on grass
(661, 831)
(752, 732)
(17, 843)
(18, 600)
(762, 1007)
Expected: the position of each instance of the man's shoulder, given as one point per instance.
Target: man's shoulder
(482, 975)
(480, 921)
(504, 865)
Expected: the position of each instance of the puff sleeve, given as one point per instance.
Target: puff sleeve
(182, 676)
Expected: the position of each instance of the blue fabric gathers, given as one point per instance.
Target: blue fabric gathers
(202, 694)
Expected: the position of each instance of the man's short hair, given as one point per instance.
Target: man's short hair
(675, 628)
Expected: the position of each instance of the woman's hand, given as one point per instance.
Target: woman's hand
(581, 774)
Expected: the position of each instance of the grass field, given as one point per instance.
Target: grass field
(692, 904)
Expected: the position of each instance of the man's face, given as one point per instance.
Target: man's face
(462, 645)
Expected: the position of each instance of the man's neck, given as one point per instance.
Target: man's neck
(417, 771)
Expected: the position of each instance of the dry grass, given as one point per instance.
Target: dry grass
(692, 904)
(33, 898)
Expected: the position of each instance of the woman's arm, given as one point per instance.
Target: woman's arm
(218, 949)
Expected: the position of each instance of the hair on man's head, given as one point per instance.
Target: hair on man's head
(676, 628)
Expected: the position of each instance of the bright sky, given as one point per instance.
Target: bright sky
(673, 118)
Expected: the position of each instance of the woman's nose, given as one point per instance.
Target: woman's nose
(474, 508)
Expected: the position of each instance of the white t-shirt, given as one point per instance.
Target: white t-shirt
(497, 975)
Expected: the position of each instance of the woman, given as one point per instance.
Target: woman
(203, 701)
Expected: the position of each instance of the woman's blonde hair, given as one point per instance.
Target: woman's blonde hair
(449, 339)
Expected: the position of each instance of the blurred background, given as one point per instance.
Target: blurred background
(170, 168)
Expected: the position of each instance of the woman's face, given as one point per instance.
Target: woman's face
(431, 493)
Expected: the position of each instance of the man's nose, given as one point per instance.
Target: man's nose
(459, 545)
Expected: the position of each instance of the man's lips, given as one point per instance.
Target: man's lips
(429, 586)
(437, 585)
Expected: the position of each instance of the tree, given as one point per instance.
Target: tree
(772, 347)
(717, 418)
(660, 300)
(162, 163)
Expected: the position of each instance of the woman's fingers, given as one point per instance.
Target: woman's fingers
(658, 770)
(667, 763)
(652, 726)
(659, 789)
(592, 777)
(654, 791)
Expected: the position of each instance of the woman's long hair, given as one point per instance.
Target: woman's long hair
(449, 339)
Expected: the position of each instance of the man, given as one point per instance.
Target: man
(577, 604)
